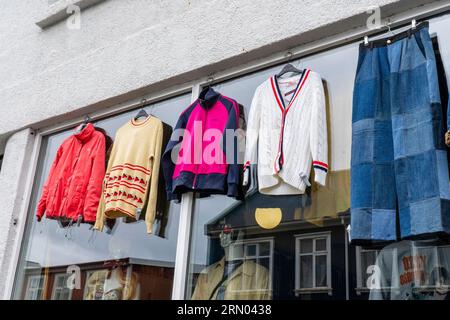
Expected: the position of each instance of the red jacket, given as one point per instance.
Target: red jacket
(74, 184)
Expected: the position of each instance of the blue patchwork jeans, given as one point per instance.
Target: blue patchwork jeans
(399, 161)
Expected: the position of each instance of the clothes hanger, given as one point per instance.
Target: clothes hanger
(389, 41)
(142, 112)
(83, 125)
(289, 68)
(414, 25)
(206, 88)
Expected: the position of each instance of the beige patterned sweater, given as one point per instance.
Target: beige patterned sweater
(130, 185)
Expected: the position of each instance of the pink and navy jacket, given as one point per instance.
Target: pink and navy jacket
(195, 159)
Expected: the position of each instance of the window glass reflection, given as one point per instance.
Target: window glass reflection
(121, 263)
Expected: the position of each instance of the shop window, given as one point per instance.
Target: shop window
(60, 289)
(140, 265)
(319, 209)
(313, 263)
(274, 247)
(34, 287)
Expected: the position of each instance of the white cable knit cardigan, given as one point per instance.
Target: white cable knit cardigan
(285, 137)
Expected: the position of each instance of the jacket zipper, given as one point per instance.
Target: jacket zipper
(195, 180)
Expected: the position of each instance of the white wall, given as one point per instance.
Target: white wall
(16, 164)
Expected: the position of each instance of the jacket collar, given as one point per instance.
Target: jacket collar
(85, 134)
(208, 97)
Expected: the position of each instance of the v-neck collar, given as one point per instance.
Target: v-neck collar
(279, 95)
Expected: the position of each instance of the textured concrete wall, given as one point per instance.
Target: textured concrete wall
(124, 45)
(15, 168)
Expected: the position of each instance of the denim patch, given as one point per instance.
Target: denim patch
(404, 214)
(425, 217)
(423, 176)
(438, 126)
(413, 133)
(383, 144)
(362, 181)
(384, 196)
(366, 101)
(405, 55)
(361, 222)
(383, 224)
(408, 97)
(362, 146)
(402, 173)
(442, 173)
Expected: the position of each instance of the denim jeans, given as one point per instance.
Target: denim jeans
(399, 170)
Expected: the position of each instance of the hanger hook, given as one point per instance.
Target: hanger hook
(210, 80)
(388, 25)
(143, 101)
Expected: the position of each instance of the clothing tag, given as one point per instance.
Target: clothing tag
(349, 229)
(289, 92)
(138, 213)
(305, 179)
(79, 219)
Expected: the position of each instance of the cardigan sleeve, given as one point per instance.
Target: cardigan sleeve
(94, 188)
(153, 192)
(42, 204)
(251, 143)
(318, 134)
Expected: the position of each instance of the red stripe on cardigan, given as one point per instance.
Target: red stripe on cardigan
(323, 164)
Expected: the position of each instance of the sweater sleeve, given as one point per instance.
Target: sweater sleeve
(42, 204)
(153, 192)
(94, 187)
(251, 143)
(234, 168)
(318, 134)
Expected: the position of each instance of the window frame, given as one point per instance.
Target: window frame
(314, 237)
(360, 286)
(271, 240)
(89, 273)
(194, 86)
(436, 249)
(54, 287)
